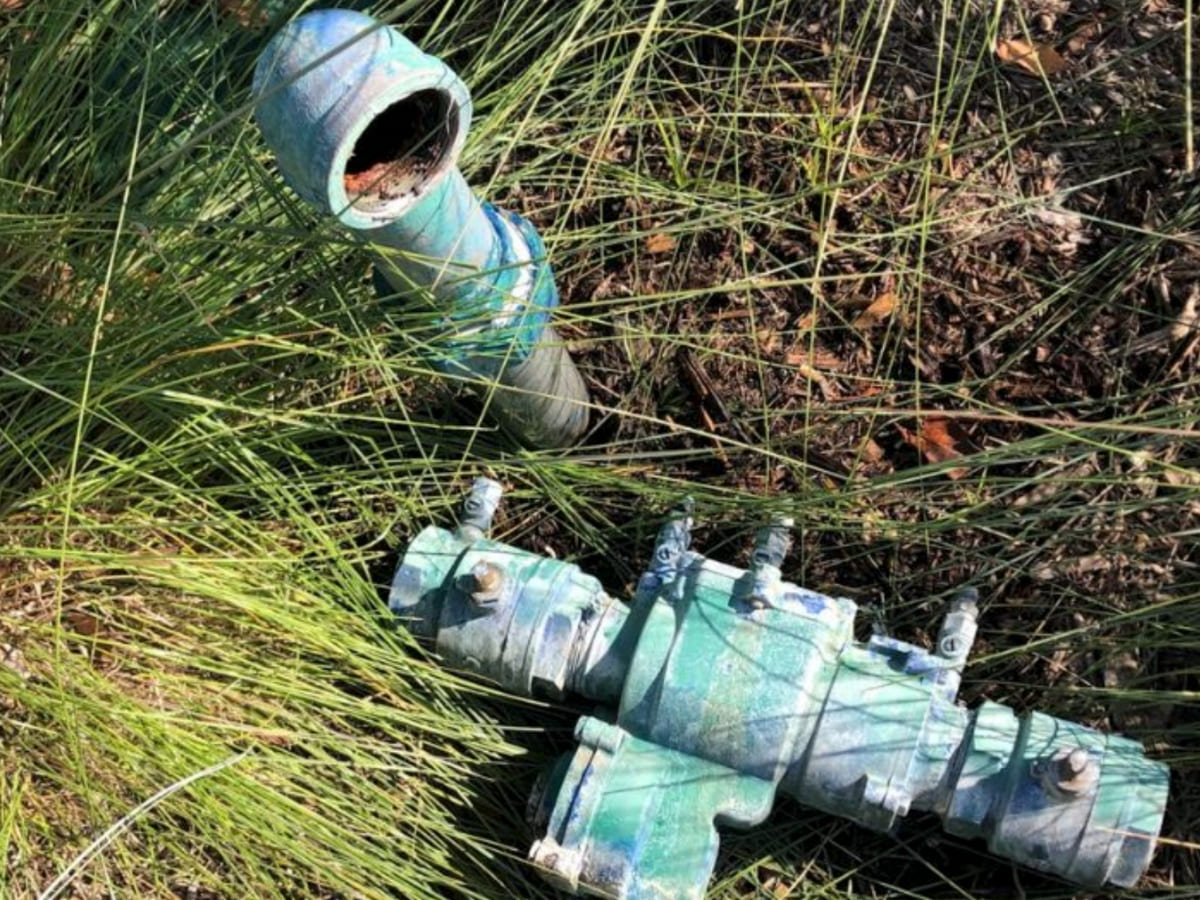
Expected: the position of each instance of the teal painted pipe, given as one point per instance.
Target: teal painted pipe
(368, 129)
(726, 686)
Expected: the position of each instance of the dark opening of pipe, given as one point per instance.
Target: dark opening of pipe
(401, 149)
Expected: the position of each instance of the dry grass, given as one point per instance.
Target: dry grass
(835, 258)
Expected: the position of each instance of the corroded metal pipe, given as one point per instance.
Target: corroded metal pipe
(727, 687)
(368, 129)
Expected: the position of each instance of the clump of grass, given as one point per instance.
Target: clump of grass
(216, 441)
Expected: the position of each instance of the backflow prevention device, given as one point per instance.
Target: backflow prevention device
(730, 685)
(366, 127)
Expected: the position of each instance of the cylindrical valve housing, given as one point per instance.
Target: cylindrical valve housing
(748, 686)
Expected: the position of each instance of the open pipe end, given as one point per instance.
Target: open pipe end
(401, 152)
(362, 123)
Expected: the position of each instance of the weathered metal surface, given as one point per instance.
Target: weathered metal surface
(367, 128)
(631, 818)
(725, 691)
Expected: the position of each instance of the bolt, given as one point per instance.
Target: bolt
(487, 576)
(966, 601)
(478, 508)
(487, 582)
(1074, 763)
(1070, 771)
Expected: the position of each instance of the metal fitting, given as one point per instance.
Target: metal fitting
(715, 712)
(487, 583)
(771, 547)
(764, 588)
(479, 508)
(957, 634)
(955, 639)
(774, 542)
(674, 538)
(1069, 772)
(670, 549)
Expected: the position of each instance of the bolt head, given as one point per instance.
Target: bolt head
(1071, 771)
(1075, 762)
(486, 582)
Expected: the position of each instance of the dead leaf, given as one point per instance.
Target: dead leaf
(1123, 672)
(1084, 35)
(1067, 228)
(1185, 324)
(935, 441)
(246, 13)
(1036, 59)
(82, 623)
(12, 658)
(768, 339)
(817, 357)
(828, 391)
(879, 310)
(773, 883)
(871, 451)
(826, 359)
(659, 242)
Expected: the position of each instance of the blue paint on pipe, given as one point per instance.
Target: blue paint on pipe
(367, 128)
(322, 81)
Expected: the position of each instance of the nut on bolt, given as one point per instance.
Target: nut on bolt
(1071, 771)
(486, 582)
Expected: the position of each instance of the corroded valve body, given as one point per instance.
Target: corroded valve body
(729, 685)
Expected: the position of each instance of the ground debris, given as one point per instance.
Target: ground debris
(878, 312)
(1033, 58)
(938, 439)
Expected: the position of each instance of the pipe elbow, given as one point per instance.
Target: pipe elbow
(362, 123)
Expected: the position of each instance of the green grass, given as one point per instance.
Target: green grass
(215, 441)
